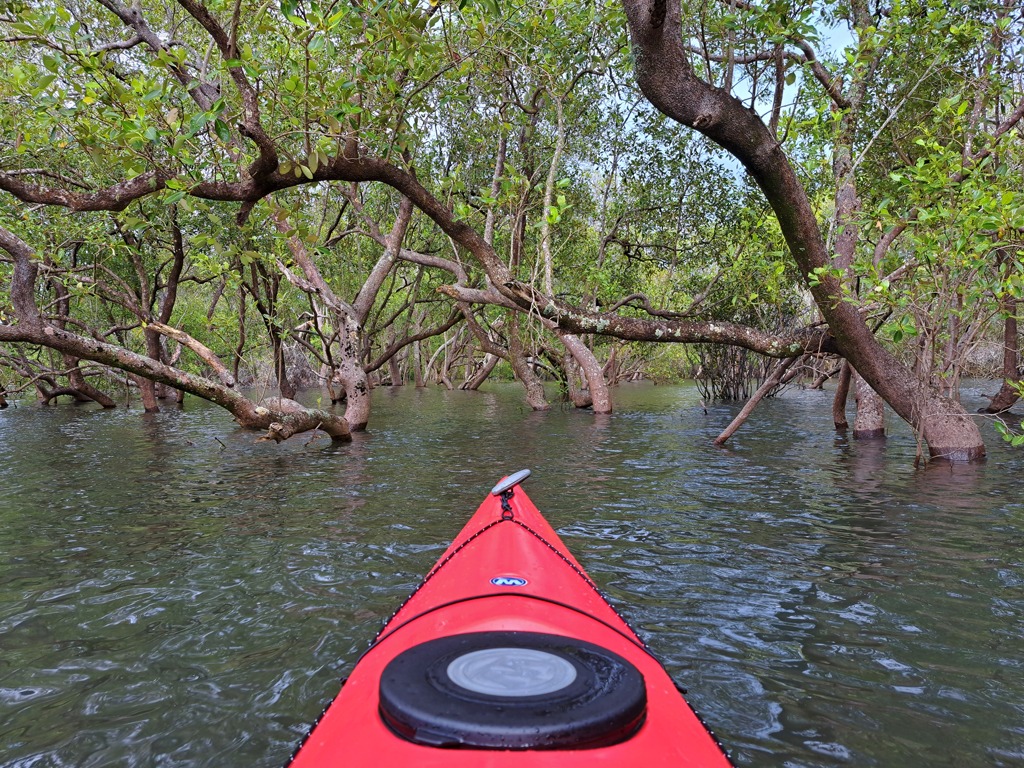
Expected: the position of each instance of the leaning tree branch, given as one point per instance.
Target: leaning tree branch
(748, 408)
(116, 197)
(666, 77)
(249, 414)
(32, 329)
(398, 344)
(120, 45)
(47, 174)
(205, 354)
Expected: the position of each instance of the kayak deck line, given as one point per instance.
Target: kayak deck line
(500, 658)
(447, 558)
(517, 596)
(387, 630)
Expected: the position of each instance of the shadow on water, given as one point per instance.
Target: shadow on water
(174, 592)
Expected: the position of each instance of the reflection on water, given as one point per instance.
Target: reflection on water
(173, 592)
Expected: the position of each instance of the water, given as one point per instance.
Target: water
(175, 593)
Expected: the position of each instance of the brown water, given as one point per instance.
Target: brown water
(173, 593)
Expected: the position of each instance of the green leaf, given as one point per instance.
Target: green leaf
(197, 123)
(223, 132)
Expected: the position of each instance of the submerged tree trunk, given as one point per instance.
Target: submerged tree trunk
(599, 396)
(83, 389)
(284, 382)
(841, 396)
(1008, 393)
(748, 408)
(669, 82)
(417, 366)
(869, 424)
(395, 371)
(535, 396)
(488, 365)
(352, 376)
(869, 421)
(575, 383)
(349, 318)
(593, 372)
(264, 287)
(147, 393)
(77, 379)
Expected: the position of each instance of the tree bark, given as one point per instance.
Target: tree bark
(264, 286)
(869, 420)
(480, 376)
(1008, 393)
(669, 83)
(593, 372)
(840, 398)
(204, 353)
(350, 318)
(79, 382)
(748, 408)
(352, 376)
(394, 369)
(869, 423)
(535, 396)
(81, 388)
(417, 366)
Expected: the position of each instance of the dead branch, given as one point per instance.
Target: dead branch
(769, 384)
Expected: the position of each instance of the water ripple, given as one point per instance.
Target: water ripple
(167, 600)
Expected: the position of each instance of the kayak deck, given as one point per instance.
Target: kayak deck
(507, 572)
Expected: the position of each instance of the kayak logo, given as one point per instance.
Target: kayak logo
(508, 581)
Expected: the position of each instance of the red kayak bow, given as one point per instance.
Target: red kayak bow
(507, 655)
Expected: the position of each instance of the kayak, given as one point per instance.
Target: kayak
(507, 655)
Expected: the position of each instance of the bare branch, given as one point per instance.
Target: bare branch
(397, 345)
(251, 127)
(114, 198)
(206, 354)
(48, 174)
(122, 45)
(204, 94)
